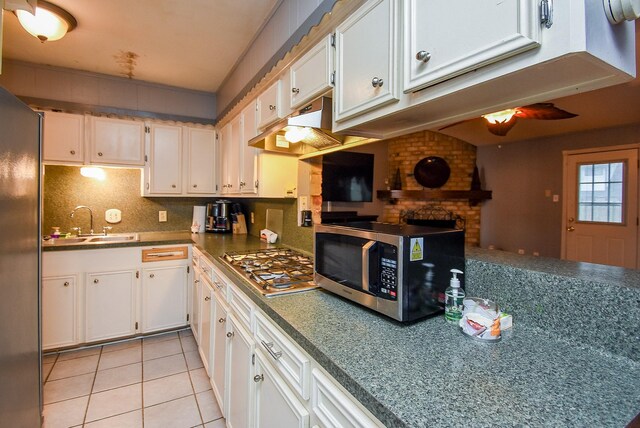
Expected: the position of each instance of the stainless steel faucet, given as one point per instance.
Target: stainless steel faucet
(90, 216)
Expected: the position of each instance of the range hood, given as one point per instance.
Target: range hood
(305, 131)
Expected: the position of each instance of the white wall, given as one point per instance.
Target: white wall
(520, 216)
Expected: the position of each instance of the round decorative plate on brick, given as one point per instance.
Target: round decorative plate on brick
(432, 172)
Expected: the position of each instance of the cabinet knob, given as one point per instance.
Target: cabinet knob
(230, 334)
(258, 378)
(570, 229)
(272, 107)
(423, 56)
(173, 186)
(196, 281)
(66, 283)
(99, 153)
(195, 185)
(151, 275)
(377, 82)
(242, 184)
(73, 152)
(221, 320)
(295, 90)
(95, 281)
(207, 298)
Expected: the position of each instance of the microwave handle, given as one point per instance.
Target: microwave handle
(366, 249)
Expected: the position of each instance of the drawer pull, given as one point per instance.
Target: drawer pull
(221, 320)
(207, 298)
(230, 334)
(271, 352)
(258, 378)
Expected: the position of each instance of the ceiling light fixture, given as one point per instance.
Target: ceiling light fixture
(49, 22)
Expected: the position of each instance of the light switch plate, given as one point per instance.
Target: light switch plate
(113, 216)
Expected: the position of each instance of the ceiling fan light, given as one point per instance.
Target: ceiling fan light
(500, 116)
(49, 23)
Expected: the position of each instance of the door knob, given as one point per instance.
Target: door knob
(570, 229)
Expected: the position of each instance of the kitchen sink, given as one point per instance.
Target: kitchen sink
(116, 238)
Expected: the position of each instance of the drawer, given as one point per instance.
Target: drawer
(292, 363)
(206, 268)
(220, 283)
(333, 407)
(241, 306)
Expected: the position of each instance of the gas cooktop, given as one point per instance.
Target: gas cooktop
(273, 271)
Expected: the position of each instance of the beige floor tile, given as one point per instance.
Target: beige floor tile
(166, 389)
(160, 337)
(46, 369)
(65, 413)
(49, 358)
(114, 402)
(165, 366)
(70, 355)
(200, 380)
(117, 377)
(208, 406)
(188, 343)
(219, 423)
(119, 346)
(152, 350)
(75, 367)
(181, 413)
(193, 360)
(123, 357)
(186, 333)
(126, 420)
(70, 387)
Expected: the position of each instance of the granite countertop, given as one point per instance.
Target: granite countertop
(145, 239)
(429, 374)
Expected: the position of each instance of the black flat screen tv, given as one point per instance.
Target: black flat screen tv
(347, 177)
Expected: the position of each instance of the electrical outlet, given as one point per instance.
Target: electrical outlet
(253, 220)
(556, 198)
(162, 216)
(113, 216)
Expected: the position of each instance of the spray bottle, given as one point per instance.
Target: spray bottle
(453, 299)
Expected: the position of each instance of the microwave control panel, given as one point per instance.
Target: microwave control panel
(388, 272)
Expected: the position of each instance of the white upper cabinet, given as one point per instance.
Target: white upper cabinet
(165, 159)
(366, 57)
(310, 76)
(63, 138)
(444, 39)
(201, 161)
(117, 141)
(268, 105)
(231, 140)
(249, 154)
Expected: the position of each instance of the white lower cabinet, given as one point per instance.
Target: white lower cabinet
(110, 305)
(276, 405)
(59, 314)
(219, 351)
(204, 348)
(194, 319)
(239, 383)
(164, 298)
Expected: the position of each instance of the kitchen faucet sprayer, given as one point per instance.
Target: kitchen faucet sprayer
(90, 216)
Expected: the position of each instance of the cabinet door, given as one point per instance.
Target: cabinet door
(278, 175)
(268, 106)
(240, 384)
(63, 137)
(59, 311)
(441, 44)
(164, 298)
(249, 154)
(110, 305)
(276, 405)
(116, 141)
(195, 304)
(165, 159)
(205, 325)
(231, 156)
(310, 76)
(366, 57)
(201, 161)
(219, 353)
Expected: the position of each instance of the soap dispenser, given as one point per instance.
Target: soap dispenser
(454, 296)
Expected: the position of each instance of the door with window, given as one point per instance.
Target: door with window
(601, 207)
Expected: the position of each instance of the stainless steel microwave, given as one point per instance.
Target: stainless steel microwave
(401, 271)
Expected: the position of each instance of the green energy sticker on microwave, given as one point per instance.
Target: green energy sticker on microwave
(416, 246)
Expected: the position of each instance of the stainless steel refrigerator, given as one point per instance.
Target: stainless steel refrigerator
(20, 372)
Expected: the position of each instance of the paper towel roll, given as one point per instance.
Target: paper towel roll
(199, 217)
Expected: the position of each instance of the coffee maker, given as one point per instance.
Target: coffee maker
(218, 217)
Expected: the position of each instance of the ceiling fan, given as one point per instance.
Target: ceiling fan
(501, 122)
